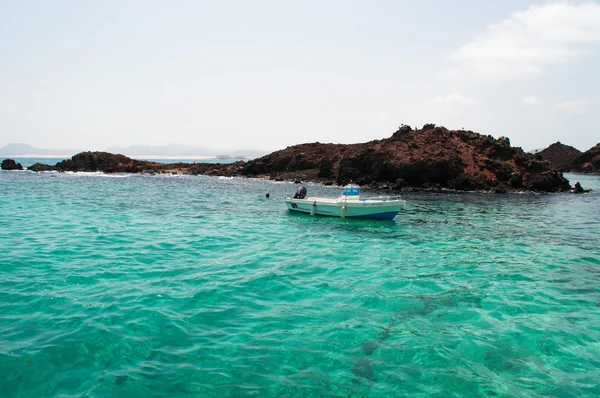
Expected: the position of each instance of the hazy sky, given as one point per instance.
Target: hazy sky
(267, 74)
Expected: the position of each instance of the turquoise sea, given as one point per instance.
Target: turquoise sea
(169, 286)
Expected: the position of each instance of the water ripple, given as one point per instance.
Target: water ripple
(199, 286)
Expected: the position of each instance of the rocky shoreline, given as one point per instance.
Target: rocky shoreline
(588, 162)
(432, 158)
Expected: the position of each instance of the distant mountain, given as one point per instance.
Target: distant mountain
(16, 150)
(560, 155)
(171, 150)
(250, 153)
(175, 149)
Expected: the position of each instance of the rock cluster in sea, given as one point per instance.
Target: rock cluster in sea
(10, 164)
(428, 158)
(116, 163)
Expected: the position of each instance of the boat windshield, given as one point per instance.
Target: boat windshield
(351, 191)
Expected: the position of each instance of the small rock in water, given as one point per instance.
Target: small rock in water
(121, 380)
(362, 368)
(579, 189)
(370, 347)
(9, 164)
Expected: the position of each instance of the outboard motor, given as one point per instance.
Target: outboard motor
(300, 193)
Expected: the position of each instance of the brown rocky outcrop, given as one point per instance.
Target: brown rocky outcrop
(115, 163)
(587, 162)
(103, 161)
(10, 164)
(430, 158)
(41, 167)
(560, 155)
(217, 169)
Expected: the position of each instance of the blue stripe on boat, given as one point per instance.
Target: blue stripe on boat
(388, 215)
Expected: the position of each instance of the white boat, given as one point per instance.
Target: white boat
(347, 205)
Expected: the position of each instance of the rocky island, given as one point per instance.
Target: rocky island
(428, 158)
(560, 155)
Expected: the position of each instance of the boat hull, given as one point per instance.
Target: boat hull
(374, 210)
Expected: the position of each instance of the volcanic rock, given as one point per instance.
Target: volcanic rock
(430, 158)
(217, 169)
(560, 155)
(10, 164)
(587, 162)
(579, 189)
(41, 167)
(102, 161)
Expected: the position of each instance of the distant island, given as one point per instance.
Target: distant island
(428, 158)
(175, 150)
(566, 158)
(171, 151)
(25, 150)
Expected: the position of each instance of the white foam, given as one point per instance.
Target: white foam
(96, 174)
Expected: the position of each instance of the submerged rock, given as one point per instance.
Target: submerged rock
(362, 370)
(10, 164)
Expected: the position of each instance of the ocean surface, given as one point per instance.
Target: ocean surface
(172, 286)
(26, 162)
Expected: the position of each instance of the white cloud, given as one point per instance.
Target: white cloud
(454, 99)
(578, 106)
(533, 40)
(532, 100)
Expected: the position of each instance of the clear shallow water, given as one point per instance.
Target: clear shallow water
(198, 286)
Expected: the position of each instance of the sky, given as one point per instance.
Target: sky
(266, 74)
